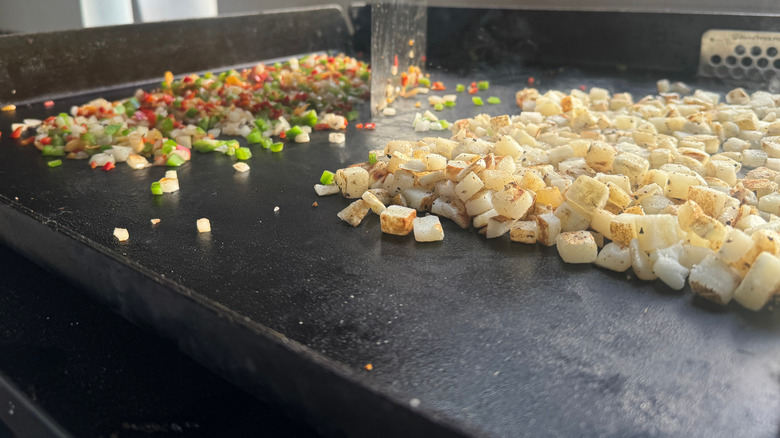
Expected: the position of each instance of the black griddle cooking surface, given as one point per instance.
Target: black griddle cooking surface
(502, 337)
(492, 338)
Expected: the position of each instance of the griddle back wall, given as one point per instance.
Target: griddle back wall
(473, 40)
(48, 65)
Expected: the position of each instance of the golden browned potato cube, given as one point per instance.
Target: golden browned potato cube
(397, 220)
(623, 228)
(710, 200)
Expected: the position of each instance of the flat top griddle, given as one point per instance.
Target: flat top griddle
(493, 338)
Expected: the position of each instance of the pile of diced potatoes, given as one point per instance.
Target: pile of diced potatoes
(672, 187)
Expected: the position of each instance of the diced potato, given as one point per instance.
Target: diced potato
(588, 193)
(770, 203)
(435, 162)
(572, 217)
(453, 209)
(468, 187)
(352, 181)
(621, 181)
(614, 257)
(671, 272)
(397, 220)
(531, 181)
(710, 230)
(631, 165)
(577, 247)
(641, 263)
(430, 179)
(678, 185)
(326, 190)
(549, 196)
(524, 232)
(760, 283)
(374, 203)
(507, 146)
(713, 280)
(710, 200)
(623, 228)
(169, 185)
(600, 156)
(481, 220)
(618, 199)
(418, 198)
(498, 226)
(655, 204)
(480, 203)
(496, 179)
(427, 229)
(735, 247)
(657, 231)
(512, 201)
(354, 213)
(203, 225)
(688, 213)
(601, 222)
(549, 228)
(121, 234)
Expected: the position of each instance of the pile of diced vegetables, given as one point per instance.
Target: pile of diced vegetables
(160, 127)
(675, 186)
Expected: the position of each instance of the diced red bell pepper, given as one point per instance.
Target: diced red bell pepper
(48, 103)
(359, 126)
(17, 132)
(108, 166)
(321, 127)
(46, 140)
(370, 126)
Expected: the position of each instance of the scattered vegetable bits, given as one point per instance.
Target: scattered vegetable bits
(159, 127)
